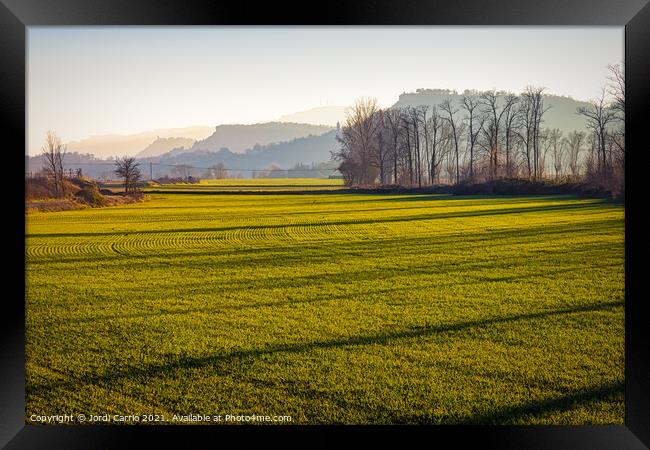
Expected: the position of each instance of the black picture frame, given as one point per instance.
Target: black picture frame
(16, 15)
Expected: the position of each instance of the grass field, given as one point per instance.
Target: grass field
(330, 308)
(253, 184)
(250, 182)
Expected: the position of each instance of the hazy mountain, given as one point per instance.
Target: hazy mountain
(238, 138)
(163, 145)
(323, 115)
(129, 144)
(302, 150)
(562, 112)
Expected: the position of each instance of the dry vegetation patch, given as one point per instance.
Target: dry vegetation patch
(79, 193)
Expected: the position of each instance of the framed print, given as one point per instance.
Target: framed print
(384, 218)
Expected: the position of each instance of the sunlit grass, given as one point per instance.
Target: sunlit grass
(252, 184)
(331, 308)
(273, 182)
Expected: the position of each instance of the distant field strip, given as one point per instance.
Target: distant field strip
(331, 308)
(249, 182)
(254, 185)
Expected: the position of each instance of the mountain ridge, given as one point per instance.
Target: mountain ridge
(107, 145)
(303, 150)
(240, 137)
(163, 145)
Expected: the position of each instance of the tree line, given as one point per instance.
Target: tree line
(482, 138)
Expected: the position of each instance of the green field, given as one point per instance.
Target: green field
(253, 184)
(330, 308)
(250, 182)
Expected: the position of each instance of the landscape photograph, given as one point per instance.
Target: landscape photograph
(317, 225)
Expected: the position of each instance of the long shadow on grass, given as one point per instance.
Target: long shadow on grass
(431, 203)
(529, 412)
(286, 280)
(221, 361)
(435, 216)
(366, 275)
(539, 408)
(449, 197)
(220, 308)
(471, 273)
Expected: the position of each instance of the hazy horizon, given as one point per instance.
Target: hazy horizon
(92, 81)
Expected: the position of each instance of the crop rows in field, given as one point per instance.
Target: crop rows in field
(239, 229)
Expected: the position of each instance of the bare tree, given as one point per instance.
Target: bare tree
(435, 125)
(357, 139)
(448, 108)
(393, 123)
(616, 89)
(407, 127)
(217, 172)
(545, 145)
(556, 144)
(475, 122)
(489, 101)
(599, 119)
(381, 152)
(492, 130)
(451, 165)
(525, 133)
(53, 153)
(510, 122)
(129, 170)
(591, 161)
(420, 118)
(574, 147)
(531, 113)
(414, 159)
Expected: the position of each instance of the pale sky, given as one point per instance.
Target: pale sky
(85, 81)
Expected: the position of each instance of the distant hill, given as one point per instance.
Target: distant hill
(129, 144)
(324, 115)
(562, 113)
(302, 150)
(238, 138)
(163, 145)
